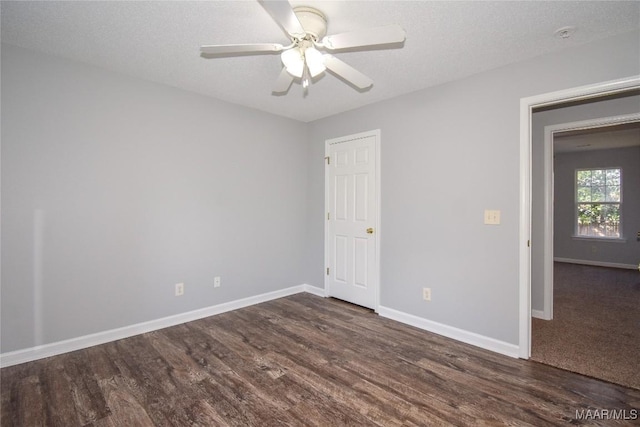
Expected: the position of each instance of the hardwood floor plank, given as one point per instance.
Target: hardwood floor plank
(206, 415)
(125, 407)
(32, 410)
(299, 360)
(85, 391)
(101, 361)
(56, 387)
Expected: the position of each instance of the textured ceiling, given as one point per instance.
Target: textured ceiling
(616, 136)
(446, 40)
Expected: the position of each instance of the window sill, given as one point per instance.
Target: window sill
(600, 239)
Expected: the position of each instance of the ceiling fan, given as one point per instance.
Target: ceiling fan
(306, 27)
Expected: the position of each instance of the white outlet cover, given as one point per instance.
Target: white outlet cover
(492, 217)
(179, 289)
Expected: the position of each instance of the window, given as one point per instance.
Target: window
(598, 202)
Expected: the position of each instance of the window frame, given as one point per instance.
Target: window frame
(577, 203)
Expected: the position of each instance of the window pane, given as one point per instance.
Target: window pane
(586, 220)
(584, 194)
(587, 214)
(613, 176)
(584, 178)
(610, 224)
(613, 193)
(598, 220)
(597, 194)
(597, 177)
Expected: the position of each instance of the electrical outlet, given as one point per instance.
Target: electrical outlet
(492, 217)
(179, 289)
(426, 294)
(216, 282)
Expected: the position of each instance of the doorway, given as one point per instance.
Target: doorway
(352, 227)
(527, 105)
(585, 136)
(591, 307)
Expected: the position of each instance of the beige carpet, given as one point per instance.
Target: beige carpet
(596, 326)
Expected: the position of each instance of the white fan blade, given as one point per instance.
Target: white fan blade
(230, 49)
(283, 83)
(283, 14)
(347, 72)
(366, 37)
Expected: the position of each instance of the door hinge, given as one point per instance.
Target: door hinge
(328, 159)
(528, 243)
(328, 216)
(327, 271)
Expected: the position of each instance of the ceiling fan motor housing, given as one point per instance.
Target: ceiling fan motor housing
(312, 20)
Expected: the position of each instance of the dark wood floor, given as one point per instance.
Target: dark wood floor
(300, 360)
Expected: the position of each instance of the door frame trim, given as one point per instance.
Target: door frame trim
(527, 105)
(376, 280)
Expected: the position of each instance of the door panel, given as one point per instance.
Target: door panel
(361, 249)
(341, 263)
(361, 198)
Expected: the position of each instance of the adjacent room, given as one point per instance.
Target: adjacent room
(300, 213)
(593, 257)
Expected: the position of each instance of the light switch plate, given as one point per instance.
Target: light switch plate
(491, 217)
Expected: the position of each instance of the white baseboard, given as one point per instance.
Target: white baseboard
(60, 347)
(315, 290)
(597, 263)
(472, 338)
(79, 343)
(539, 314)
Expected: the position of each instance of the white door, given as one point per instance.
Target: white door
(352, 200)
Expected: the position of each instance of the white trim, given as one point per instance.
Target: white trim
(526, 107)
(79, 343)
(524, 255)
(467, 337)
(547, 256)
(600, 239)
(314, 290)
(378, 201)
(597, 263)
(538, 314)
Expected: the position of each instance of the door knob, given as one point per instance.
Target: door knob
(369, 230)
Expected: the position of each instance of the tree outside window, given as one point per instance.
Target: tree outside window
(598, 202)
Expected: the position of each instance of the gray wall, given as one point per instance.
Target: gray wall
(560, 115)
(565, 246)
(448, 153)
(114, 189)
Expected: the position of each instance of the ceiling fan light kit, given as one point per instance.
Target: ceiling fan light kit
(315, 61)
(306, 27)
(293, 61)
